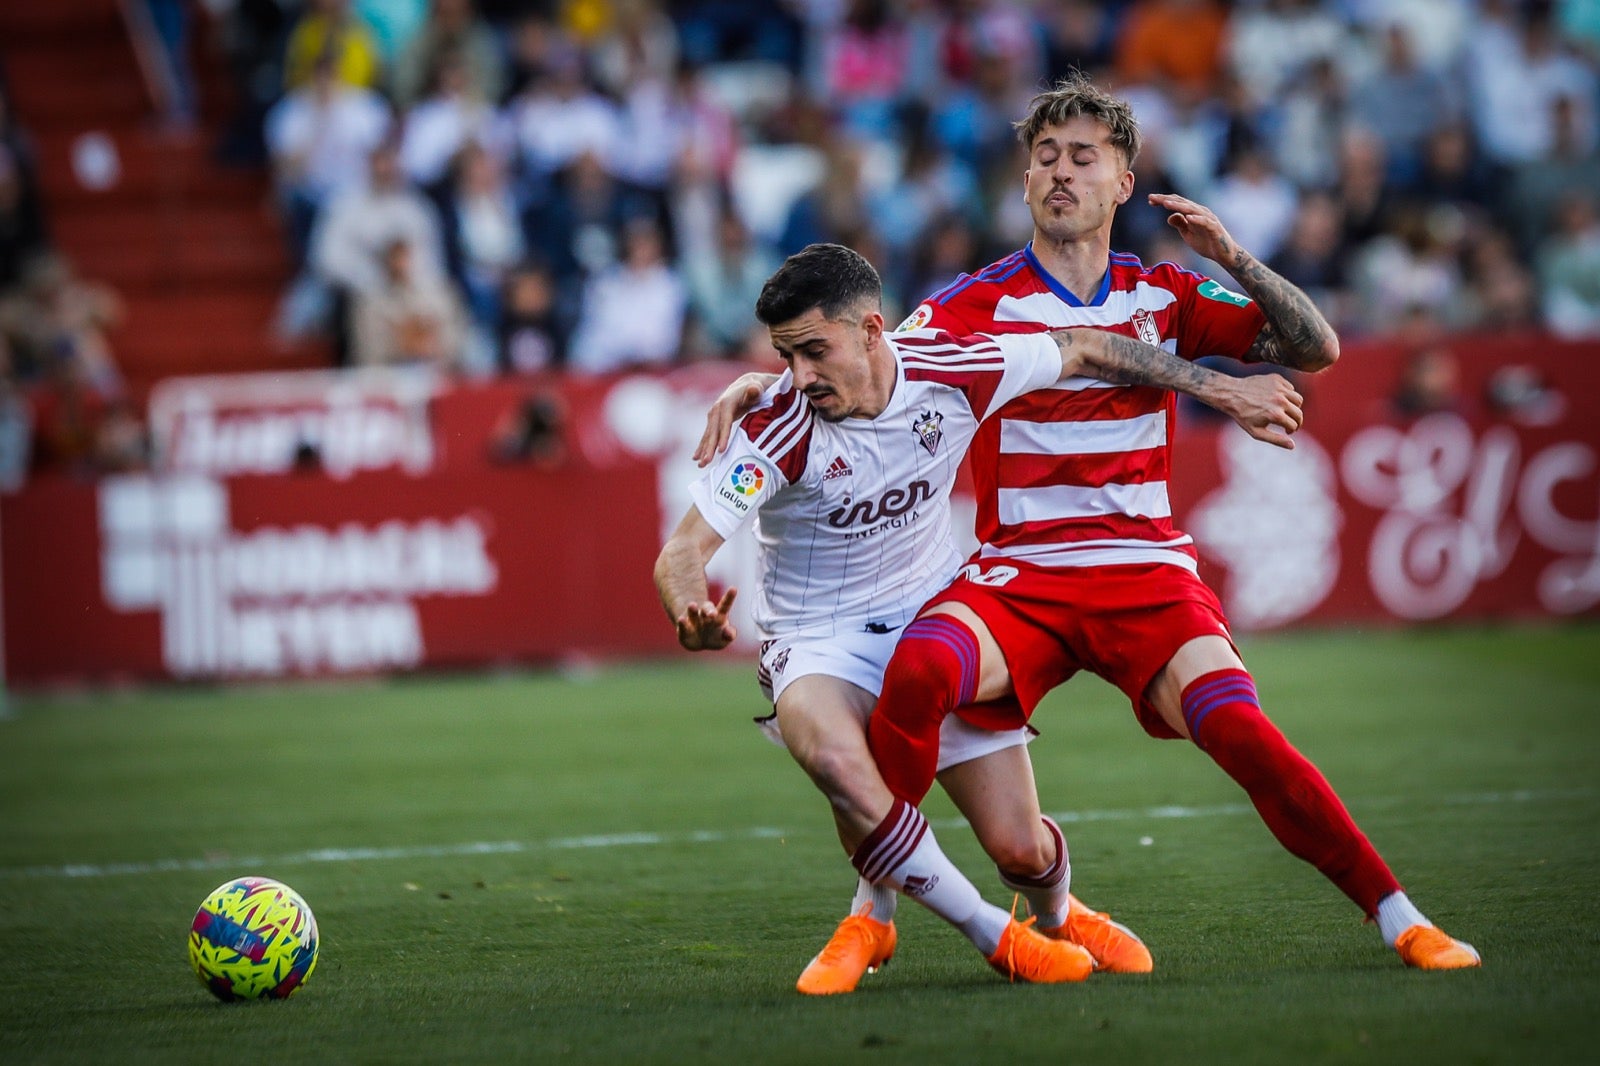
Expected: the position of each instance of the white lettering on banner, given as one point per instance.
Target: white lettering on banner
(276, 601)
(1572, 584)
(264, 424)
(1274, 523)
(1448, 525)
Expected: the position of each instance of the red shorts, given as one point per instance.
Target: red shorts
(1123, 623)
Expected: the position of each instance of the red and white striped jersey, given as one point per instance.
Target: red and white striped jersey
(852, 518)
(1076, 475)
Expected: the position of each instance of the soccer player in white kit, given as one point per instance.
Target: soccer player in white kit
(847, 466)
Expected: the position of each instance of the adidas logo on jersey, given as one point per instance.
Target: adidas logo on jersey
(837, 468)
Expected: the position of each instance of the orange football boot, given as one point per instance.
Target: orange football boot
(1427, 947)
(1025, 954)
(1115, 947)
(859, 946)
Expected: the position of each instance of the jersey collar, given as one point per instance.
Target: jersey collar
(1061, 290)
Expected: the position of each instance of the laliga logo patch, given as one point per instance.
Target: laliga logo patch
(917, 319)
(1144, 325)
(928, 432)
(743, 485)
(1211, 290)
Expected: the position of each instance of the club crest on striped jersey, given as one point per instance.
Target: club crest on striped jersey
(927, 426)
(1145, 328)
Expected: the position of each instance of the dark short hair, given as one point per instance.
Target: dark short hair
(1075, 96)
(831, 277)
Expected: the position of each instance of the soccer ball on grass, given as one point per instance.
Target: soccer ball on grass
(253, 938)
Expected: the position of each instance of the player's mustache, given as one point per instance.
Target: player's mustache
(1064, 191)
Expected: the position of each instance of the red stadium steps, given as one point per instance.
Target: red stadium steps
(194, 249)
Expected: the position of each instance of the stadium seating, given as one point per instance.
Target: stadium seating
(192, 246)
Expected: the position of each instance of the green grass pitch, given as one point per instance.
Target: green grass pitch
(617, 868)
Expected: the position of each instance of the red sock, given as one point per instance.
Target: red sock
(1292, 796)
(933, 671)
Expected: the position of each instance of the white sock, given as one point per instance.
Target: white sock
(1047, 892)
(880, 898)
(1396, 914)
(903, 853)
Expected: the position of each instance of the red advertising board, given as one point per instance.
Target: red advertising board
(333, 524)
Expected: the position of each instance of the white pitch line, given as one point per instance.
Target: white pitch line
(698, 836)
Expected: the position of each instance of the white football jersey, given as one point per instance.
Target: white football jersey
(852, 518)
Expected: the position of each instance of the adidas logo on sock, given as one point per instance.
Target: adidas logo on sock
(837, 468)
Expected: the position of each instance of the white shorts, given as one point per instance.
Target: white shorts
(860, 657)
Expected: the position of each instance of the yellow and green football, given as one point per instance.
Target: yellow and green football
(253, 938)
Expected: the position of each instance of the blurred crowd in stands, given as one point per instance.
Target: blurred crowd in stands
(514, 185)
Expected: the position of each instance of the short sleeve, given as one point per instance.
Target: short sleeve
(733, 488)
(1215, 320)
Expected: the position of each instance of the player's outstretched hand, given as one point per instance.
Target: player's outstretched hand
(735, 402)
(1268, 407)
(705, 626)
(1199, 227)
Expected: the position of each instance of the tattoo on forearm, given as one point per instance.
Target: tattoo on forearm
(1296, 335)
(1131, 362)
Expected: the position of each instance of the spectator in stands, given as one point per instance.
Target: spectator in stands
(348, 246)
(1538, 188)
(319, 137)
(1430, 382)
(1569, 267)
(329, 27)
(633, 313)
(1272, 45)
(350, 242)
(836, 206)
(1362, 191)
(22, 230)
(1519, 67)
(483, 242)
(453, 29)
(1403, 103)
(1415, 265)
(532, 338)
(16, 425)
(55, 327)
(1499, 289)
(642, 45)
(864, 63)
(1178, 41)
(724, 282)
(1077, 35)
(932, 182)
(578, 228)
(1453, 171)
(1312, 114)
(409, 318)
(559, 116)
(452, 117)
(1313, 257)
(1254, 202)
(946, 249)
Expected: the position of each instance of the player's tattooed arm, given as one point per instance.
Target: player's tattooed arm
(680, 576)
(1296, 335)
(1266, 406)
(736, 401)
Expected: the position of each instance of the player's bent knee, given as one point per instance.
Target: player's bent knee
(839, 770)
(1018, 857)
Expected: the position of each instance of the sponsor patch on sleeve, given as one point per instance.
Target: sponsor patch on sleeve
(741, 488)
(1211, 290)
(917, 319)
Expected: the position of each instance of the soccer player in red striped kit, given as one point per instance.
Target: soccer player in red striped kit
(1081, 567)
